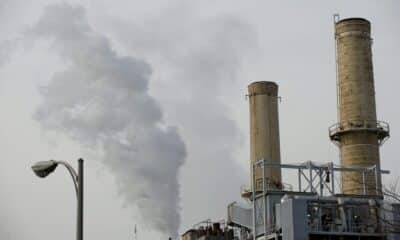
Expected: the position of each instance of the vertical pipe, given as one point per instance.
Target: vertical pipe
(363, 179)
(335, 20)
(319, 217)
(299, 176)
(253, 196)
(263, 208)
(321, 186)
(311, 177)
(79, 232)
(332, 179)
(376, 181)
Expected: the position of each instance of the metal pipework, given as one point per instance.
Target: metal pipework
(264, 134)
(358, 133)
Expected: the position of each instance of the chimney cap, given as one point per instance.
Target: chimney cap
(264, 82)
(353, 19)
(263, 87)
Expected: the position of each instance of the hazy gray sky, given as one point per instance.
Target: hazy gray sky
(168, 78)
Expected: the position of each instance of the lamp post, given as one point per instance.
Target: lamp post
(44, 168)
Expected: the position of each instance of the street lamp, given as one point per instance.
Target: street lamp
(44, 168)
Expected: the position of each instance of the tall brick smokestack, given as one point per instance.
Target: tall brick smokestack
(264, 133)
(358, 133)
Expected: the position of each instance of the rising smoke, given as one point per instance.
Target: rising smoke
(202, 58)
(101, 99)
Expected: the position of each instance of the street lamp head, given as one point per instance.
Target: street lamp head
(44, 168)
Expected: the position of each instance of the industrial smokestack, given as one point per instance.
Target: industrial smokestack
(358, 133)
(264, 133)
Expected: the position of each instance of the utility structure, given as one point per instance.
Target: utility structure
(316, 208)
(358, 133)
(264, 133)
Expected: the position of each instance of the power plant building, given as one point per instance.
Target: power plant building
(321, 207)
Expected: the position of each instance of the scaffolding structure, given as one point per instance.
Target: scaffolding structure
(312, 179)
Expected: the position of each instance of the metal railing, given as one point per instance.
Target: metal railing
(381, 127)
(245, 189)
(337, 227)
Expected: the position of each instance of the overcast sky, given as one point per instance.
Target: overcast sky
(152, 96)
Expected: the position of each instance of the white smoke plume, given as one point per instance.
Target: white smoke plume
(101, 99)
(205, 56)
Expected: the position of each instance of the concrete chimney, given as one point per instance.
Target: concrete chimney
(264, 133)
(358, 133)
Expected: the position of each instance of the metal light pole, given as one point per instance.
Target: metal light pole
(44, 168)
(79, 227)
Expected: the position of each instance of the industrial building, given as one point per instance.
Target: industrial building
(320, 206)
